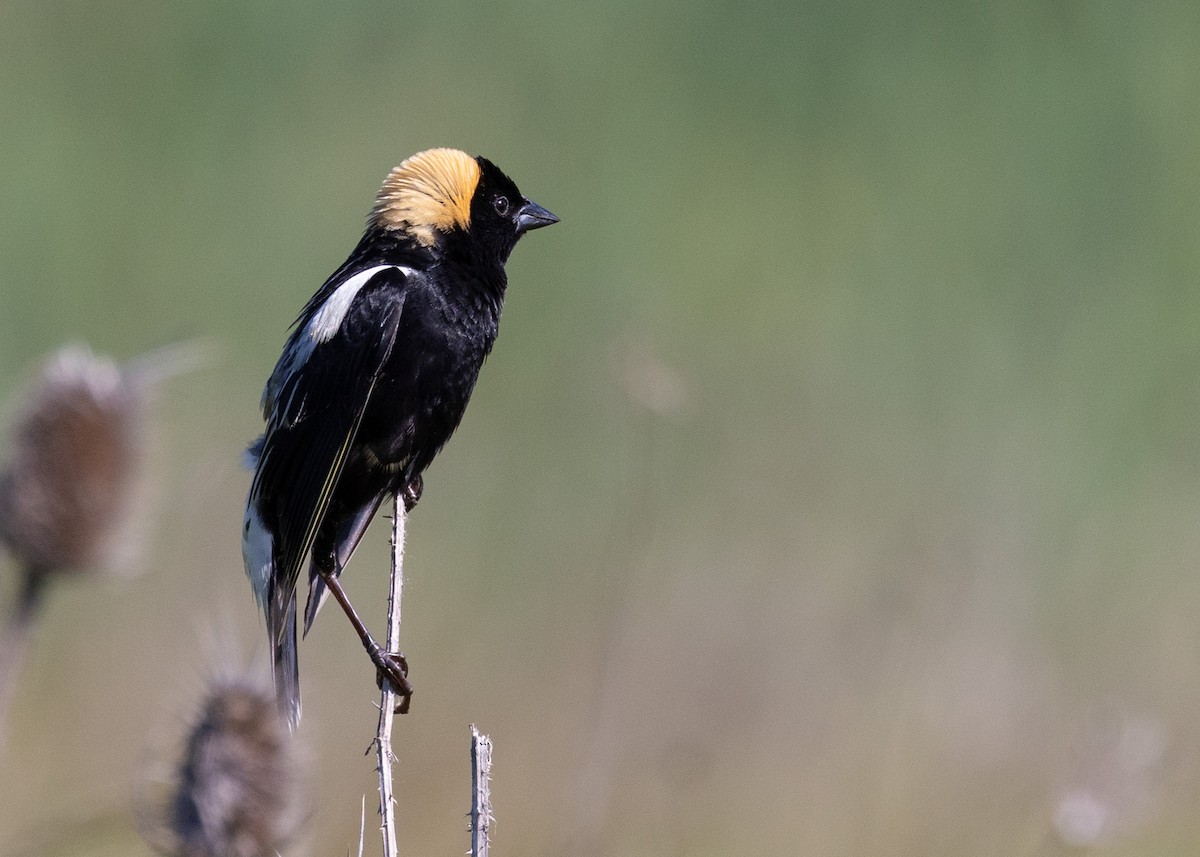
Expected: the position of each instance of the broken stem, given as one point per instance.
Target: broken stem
(481, 795)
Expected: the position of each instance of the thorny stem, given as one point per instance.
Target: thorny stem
(387, 698)
(481, 795)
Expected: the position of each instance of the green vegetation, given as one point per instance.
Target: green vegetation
(832, 489)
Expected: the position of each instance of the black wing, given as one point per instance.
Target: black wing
(315, 404)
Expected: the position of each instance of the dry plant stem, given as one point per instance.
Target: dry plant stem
(15, 639)
(481, 794)
(362, 826)
(387, 698)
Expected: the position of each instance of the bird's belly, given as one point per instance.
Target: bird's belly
(408, 421)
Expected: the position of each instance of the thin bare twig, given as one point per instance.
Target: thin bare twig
(481, 794)
(387, 696)
(362, 826)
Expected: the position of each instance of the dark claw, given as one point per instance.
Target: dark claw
(394, 669)
(413, 493)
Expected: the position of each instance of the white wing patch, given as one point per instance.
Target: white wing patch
(328, 319)
(322, 327)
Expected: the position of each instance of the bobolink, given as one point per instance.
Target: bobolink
(372, 382)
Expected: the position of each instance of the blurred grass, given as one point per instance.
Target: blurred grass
(917, 508)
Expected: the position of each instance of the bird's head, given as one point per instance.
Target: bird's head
(444, 194)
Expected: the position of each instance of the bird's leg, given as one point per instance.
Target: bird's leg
(412, 493)
(392, 667)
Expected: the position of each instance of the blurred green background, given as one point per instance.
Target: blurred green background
(832, 488)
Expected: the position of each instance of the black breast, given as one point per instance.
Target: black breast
(423, 391)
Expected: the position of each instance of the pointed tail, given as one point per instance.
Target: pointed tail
(281, 624)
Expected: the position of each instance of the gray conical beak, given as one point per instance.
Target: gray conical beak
(533, 216)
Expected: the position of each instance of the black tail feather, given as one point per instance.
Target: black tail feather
(281, 625)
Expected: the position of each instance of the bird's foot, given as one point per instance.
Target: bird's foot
(393, 668)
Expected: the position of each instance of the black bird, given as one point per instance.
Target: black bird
(372, 382)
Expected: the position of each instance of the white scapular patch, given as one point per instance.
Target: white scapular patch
(257, 550)
(322, 327)
(328, 319)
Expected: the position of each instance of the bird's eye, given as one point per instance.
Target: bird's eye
(501, 205)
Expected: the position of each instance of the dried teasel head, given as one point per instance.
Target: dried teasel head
(232, 792)
(74, 459)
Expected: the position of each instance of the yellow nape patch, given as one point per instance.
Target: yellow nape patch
(430, 192)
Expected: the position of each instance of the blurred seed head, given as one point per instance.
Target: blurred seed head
(232, 792)
(76, 458)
